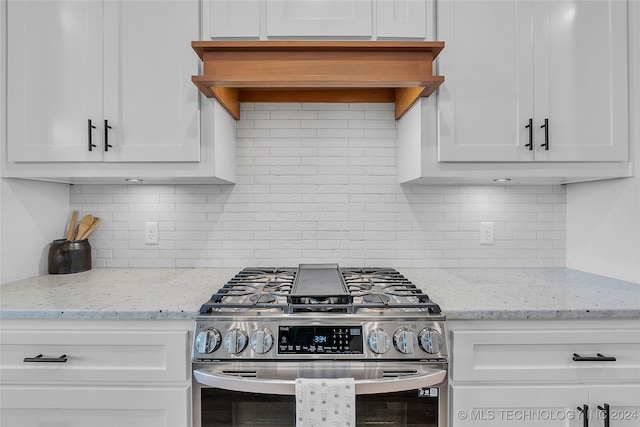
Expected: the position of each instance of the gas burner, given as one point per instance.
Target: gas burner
(262, 298)
(376, 299)
(359, 289)
(402, 290)
(236, 290)
(278, 289)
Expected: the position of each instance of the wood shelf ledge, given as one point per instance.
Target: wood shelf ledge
(317, 71)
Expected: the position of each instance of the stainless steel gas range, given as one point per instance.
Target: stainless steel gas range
(269, 329)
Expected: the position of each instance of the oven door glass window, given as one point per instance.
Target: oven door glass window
(238, 409)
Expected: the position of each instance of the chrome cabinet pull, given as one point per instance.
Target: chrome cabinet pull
(106, 135)
(40, 358)
(530, 127)
(597, 358)
(545, 126)
(90, 128)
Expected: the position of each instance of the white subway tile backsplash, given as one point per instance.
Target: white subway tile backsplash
(318, 183)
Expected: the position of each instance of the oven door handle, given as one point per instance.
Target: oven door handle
(248, 381)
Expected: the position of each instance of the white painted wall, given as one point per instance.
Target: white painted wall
(32, 215)
(603, 218)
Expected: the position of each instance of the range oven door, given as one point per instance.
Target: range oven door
(262, 393)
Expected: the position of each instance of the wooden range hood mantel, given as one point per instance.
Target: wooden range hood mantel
(317, 71)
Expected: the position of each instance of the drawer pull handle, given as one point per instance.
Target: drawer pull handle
(530, 127)
(585, 415)
(40, 358)
(597, 358)
(106, 135)
(606, 411)
(545, 126)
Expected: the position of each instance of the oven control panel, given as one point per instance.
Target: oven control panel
(220, 339)
(320, 340)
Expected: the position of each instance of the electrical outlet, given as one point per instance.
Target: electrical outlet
(151, 233)
(486, 233)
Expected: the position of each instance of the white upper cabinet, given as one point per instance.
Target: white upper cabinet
(149, 99)
(231, 18)
(323, 18)
(522, 73)
(102, 81)
(277, 19)
(401, 18)
(487, 62)
(582, 79)
(54, 72)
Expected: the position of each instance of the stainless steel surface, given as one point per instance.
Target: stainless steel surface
(235, 328)
(272, 378)
(267, 327)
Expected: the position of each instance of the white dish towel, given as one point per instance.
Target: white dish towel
(325, 402)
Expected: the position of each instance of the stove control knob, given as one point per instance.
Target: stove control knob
(404, 340)
(261, 340)
(235, 341)
(430, 340)
(208, 341)
(378, 341)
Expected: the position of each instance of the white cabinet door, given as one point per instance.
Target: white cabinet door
(149, 100)
(486, 100)
(581, 80)
(517, 405)
(94, 406)
(401, 19)
(323, 18)
(231, 18)
(509, 66)
(623, 401)
(55, 80)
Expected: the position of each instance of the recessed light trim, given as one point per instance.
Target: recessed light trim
(502, 180)
(133, 180)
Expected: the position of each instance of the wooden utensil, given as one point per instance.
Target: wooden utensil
(96, 221)
(84, 225)
(72, 225)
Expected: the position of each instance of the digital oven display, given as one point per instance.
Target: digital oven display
(320, 340)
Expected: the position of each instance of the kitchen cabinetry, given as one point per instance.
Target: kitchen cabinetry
(95, 372)
(98, 92)
(363, 19)
(99, 81)
(559, 63)
(231, 18)
(313, 18)
(529, 372)
(563, 64)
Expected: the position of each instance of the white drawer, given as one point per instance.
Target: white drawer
(545, 354)
(123, 356)
(27, 406)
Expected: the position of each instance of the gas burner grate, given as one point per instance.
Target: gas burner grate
(275, 289)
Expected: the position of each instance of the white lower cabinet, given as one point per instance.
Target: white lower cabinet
(27, 406)
(551, 373)
(72, 372)
(552, 405)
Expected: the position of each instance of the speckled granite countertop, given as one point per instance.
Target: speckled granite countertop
(151, 293)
